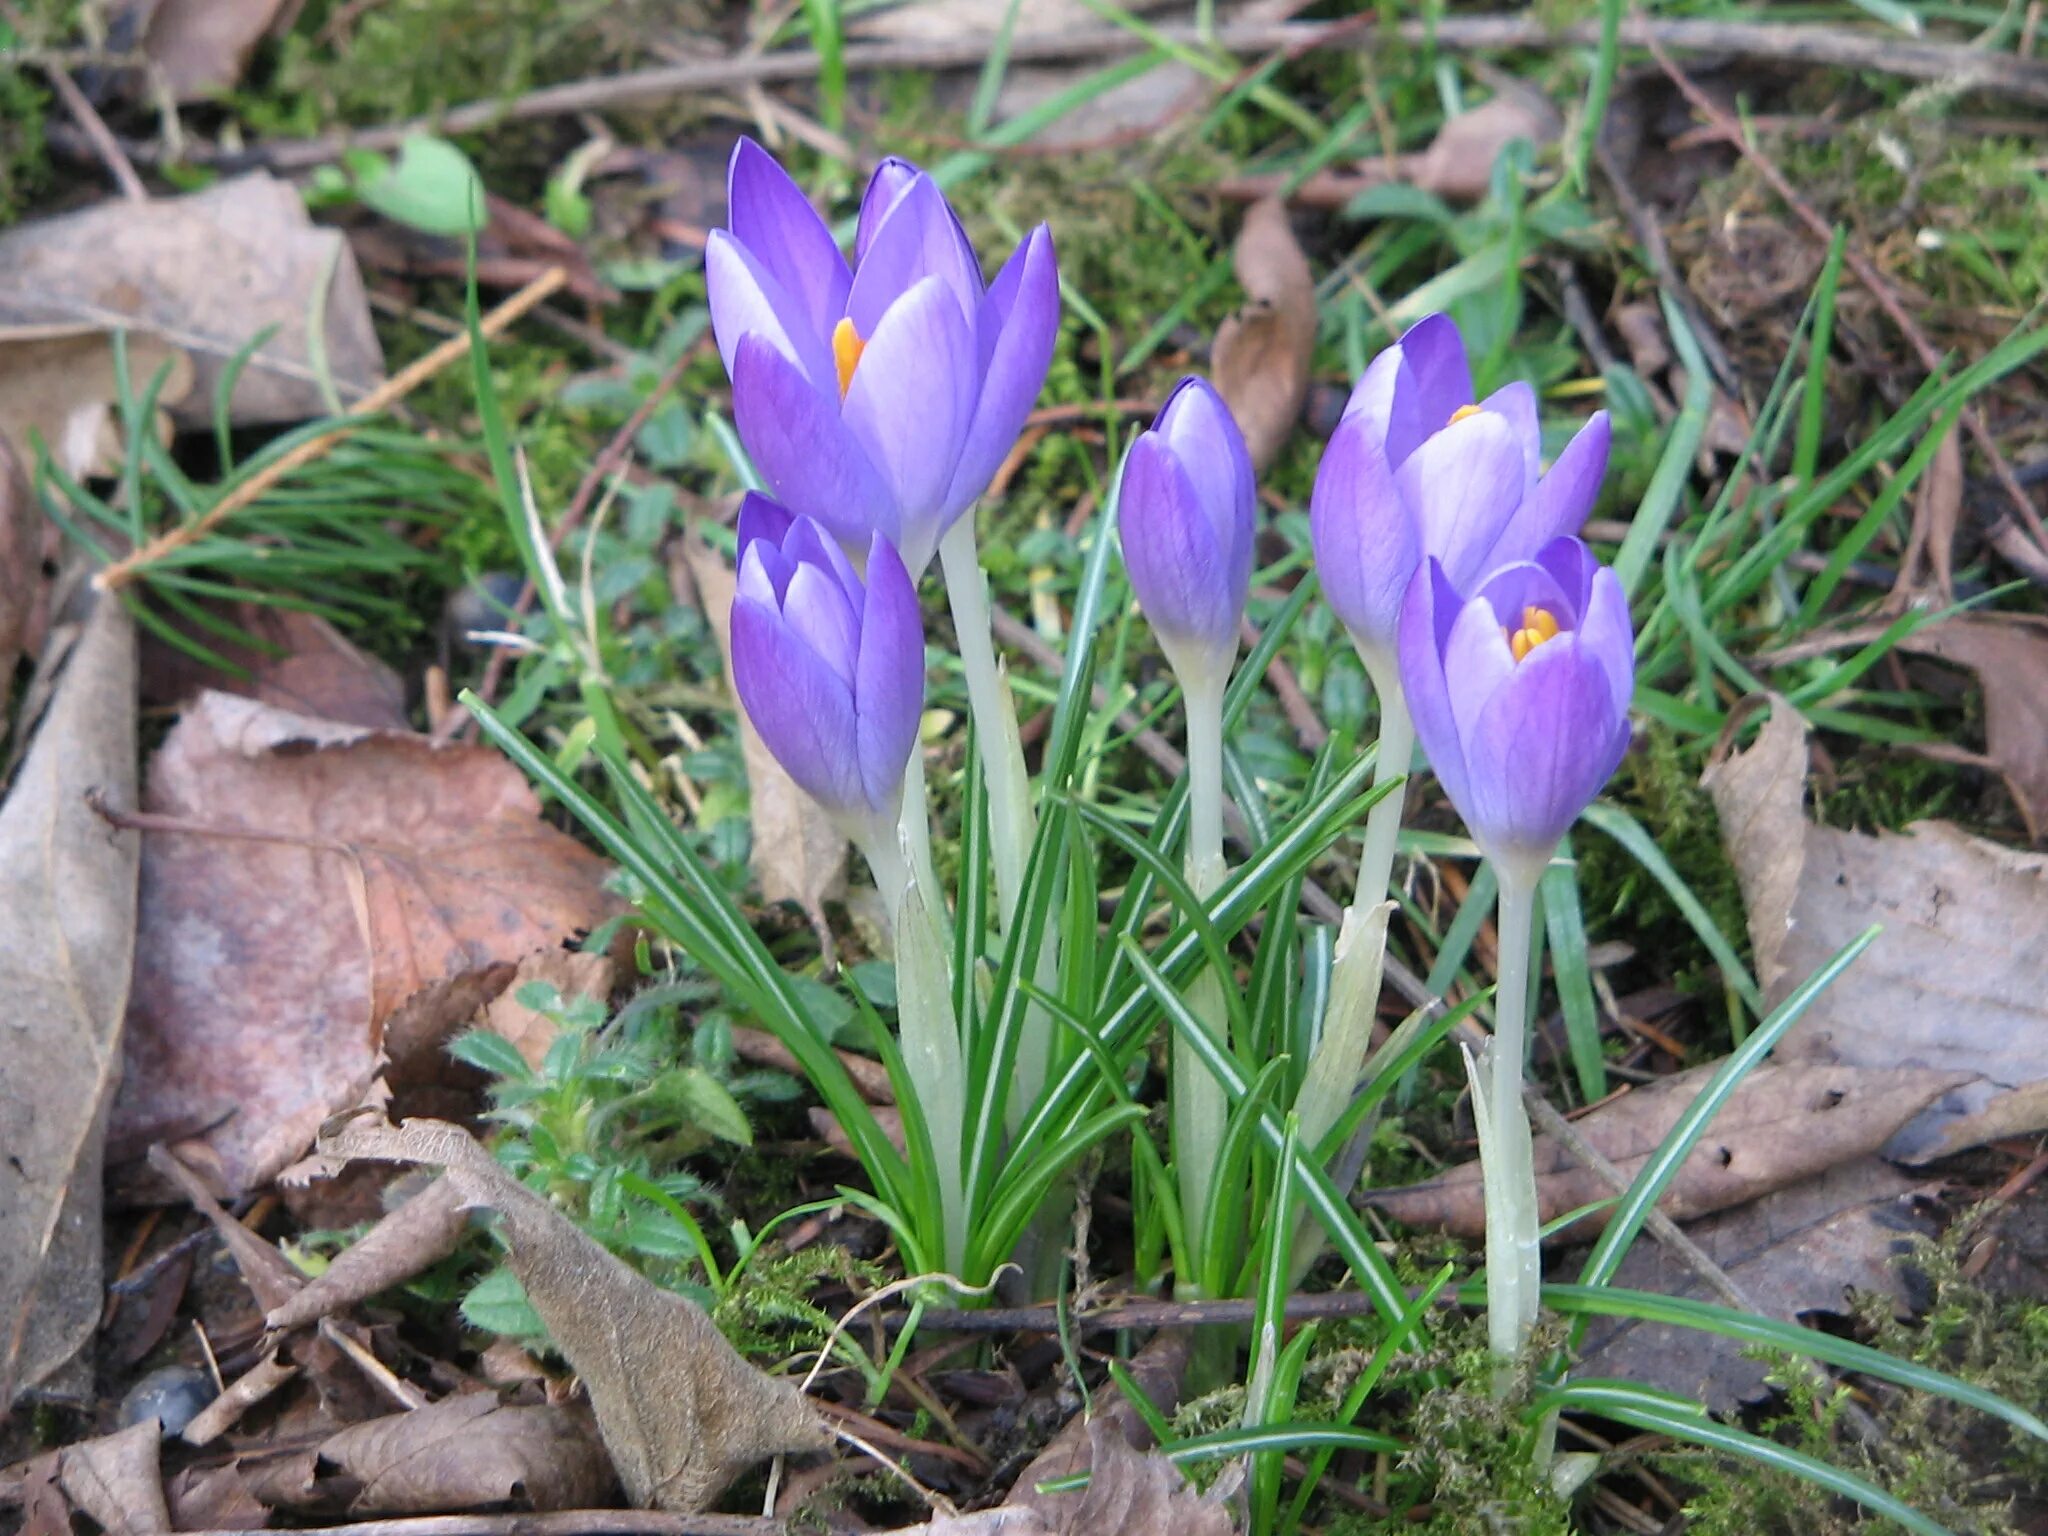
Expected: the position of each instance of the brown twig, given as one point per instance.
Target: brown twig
(1232, 1312)
(1866, 273)
(1839, 47)
(82, 112)
(392, 390)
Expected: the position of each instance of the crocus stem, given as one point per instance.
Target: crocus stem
(881, 843)
(1204, 697)
(1383, 822)
(916, 827)
(1513, 1261)
(1200, 1111)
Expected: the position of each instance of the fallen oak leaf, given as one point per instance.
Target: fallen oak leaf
(467, 1452)
(298, 662)
(115, 1480)
(1260, 362)
(1781, 1126)
(573, 973)
(2008, 654)
(680, 1410)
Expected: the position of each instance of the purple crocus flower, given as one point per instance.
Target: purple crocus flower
(1417, 470)
(883, 398)
(1186, 512)
(1520, 693)
(829, 668)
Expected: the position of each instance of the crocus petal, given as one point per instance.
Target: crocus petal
(817, 612)
(1508, 589)
(748, 300)
(1428, 616)
(1516, 404)
(764, 574)
(1015, 333)
(795, 436)
(1367, 544)
(1463, 484)
(769, 215)
(1542, 748)
(1383, 403)
(918, 237)
(798, 704)
(761, 517)
(1605, 636)
(1170, 549)
(888, 687)
(1204, 436)
(1434, 354)
(1477, 661)
(891, 180)
(810, 542)
(909, 406)
(1563, 498)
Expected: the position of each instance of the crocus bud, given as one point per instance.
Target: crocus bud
(1417, 470)
(829, 668)
(1520, 694)
(1186, 512)
(882, 398)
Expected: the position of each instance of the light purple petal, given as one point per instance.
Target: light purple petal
(1428, 618)
(747, 300)
(1572, 566)
(1563, 498)
(763, 575)
(1434, 352)
(762, 517)
(799, 705)
(817, 612)
(889, 682)
(1204, 436)
(1176, 568)
(909, 407)
(794, 434)
(769, 215)
(1605, 634)
(1526, 584)
(1463, 485)
(1367, 544)
(1015, 333)
(810, 542)
(918, 238)
(1540, 752)
(891, 180)
(1516, 404)
(1477, 661)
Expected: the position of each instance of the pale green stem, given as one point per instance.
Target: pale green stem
(1383, 821)
(1204, 696)
(1513, 1259)
(915, 826)
(1200, 1109)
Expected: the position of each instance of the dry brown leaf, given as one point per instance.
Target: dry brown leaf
(573, 973)
(1261, 358)
(764, 1050)
(200, 47)
(214, 1499)
(1953, 982)
(1129, 1493)
(1937, 507)
(681, 1411)
(422, 1231)
(304, 665)
(1800, 1251)
(331, 874)
(67, 887)
(1782, 1125)
(20, 563)
(271, 1277)
(114, 1479)
(468, 1452)
(798, 855)
(887, 1116)
(243, 1393)
(204, 273)
(59, 384)
(1158, 1370)
(2008, 652)
(1458, 165)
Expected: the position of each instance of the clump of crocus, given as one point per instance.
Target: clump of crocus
(1186, 511)
(830, 669)
(882, 397)
(1520, 695)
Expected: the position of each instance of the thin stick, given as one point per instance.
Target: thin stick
(392, 390)
(82, 112)
(1838, 47)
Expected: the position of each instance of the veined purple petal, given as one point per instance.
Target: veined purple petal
(795, 436)
(1516, 404)
(1542, 748)
(1367, 544)
(1434, 353)
(1477, 661)
(802, 710)
(1015, 333)
(918, 237)
(888, 686)
(1202, 434)
(891, 179)
(1463, 485)
(747, 300)
(1383, 403)
(810, 542)
(909, 407)
(1526, 584)
(769, 215)
(1428, 617)
(762, 517)
(817, 612)
(1170, 549)
(764, 574)
(1605, 635)
(1563, 498)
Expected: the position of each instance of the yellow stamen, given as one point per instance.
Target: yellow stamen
(1538, 625)
(1463, 411)
(847, 347)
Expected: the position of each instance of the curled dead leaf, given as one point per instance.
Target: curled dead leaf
(1260, 363)
(468, 1452)
(421, 1232)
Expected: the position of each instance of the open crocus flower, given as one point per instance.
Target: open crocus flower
(829, 668)
(1520, 694)
(879, 399)
(1418, 470)
(1186, 512)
